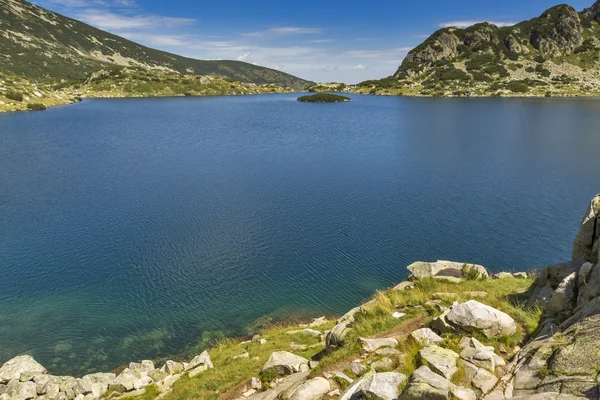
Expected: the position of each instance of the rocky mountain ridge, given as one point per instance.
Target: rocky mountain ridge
(555, 54)
(40, 44)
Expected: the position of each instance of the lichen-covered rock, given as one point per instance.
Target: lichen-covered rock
(440, 360)
(383, 365)
(425, 337)
(338, 333)
(358, 369)
(313, 389)
(427, 385)
(480, 358)
(563, 299)
(201, 359)
(384, 386)
(474, 316)
(443, 269)
(172, 367)
(584, 246)
(481, 378)
(13, 368)
(371, 345)
(284, 363)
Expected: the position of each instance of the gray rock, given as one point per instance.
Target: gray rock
(474, 316)
(384, 386)
(385, 364)
(439, 324)
(481, 379)
(549, 396)
(201, 359)
(284, 363)
(124, 382)
(520, 275)
(338, 333)
(386, 351)
(425, 337)
(480, 358)
(563, 299)
(404, 286)
(541, 296)
(427, 385)
(313, 389)
(308, 332)
(371, 345)
(13, 368)
(256, 383)
(583, 246)
(172, 367)
(355, 390)
(141, 369)
(503, 275)
(21, 390)
(442, 269)
(358, 369)
(440, 360)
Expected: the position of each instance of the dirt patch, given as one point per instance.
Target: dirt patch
(402, 330)
(237, 391)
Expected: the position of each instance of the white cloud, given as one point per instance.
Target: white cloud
(289, 30)
(243, 56)
(108, 20)
(466, 24)
(321, 41)
(359, 67)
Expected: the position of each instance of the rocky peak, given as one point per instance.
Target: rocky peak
(557, 30)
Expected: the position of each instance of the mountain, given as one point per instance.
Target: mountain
(557, 53)
(37, 43)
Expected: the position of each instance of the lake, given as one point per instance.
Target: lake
(141, 228)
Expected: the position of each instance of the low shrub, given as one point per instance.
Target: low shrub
(36, 107)
(14, 95)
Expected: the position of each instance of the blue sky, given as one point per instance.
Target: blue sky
(327, 40)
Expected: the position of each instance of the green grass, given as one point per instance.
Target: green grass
(374, 319)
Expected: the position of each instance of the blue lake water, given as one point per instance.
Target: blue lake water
(136, 228)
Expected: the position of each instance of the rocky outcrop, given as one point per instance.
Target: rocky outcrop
(557, 31)
(285, 363)
(425, 384)
(474, 316)
(587, 242)
(454, 271)
(23, 378)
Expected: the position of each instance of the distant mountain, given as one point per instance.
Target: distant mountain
(557, 53)
(38, 43)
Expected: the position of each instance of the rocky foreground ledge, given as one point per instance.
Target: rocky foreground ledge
(452, 331)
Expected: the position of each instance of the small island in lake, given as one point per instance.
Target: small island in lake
(324, 98)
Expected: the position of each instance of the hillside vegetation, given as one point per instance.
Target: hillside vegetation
(39, 44)
(555, 54)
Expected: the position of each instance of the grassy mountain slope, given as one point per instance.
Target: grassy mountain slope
(557, 53)
(37, 43)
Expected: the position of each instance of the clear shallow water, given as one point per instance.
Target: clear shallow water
(133, 228)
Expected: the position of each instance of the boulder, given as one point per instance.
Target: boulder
(313, 389)
(384, 386)
(439, 324)
(371, 345)
(407, 285)
(172, 367)
(563, 299)
(503, 275)
(425, 337)
(481, 379)
(356, 389)
(285, 363)
(13, 368)
(338, 333)
(443, 269)
(520, 275)
(427, 385)
(474, 316)
(357, 369)
(385, 364)
(201, 359)
(440, 360)
(307, 331)
(21, 390)
(584, 246)
(480, 358)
